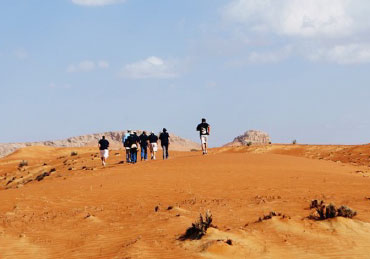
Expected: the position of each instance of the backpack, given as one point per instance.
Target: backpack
(127, 142)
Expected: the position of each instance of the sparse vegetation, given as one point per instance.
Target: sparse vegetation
(249, 143)
(323, 211)
(74, 153)
(269, 216)
(194, 150)
(23, 163)
(294, 141)
(199, 228)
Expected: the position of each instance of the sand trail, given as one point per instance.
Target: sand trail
(140, 211)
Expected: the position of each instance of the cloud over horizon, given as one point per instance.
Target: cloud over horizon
(319, 30)
(87, 66)
(152, 67)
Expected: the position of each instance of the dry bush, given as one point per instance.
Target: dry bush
(346, 212)
(199, 228)
(269, 216)
(74, 153)
(23, 163)
(324, 211)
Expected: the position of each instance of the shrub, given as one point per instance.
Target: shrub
(294, 142)
(74, 153)
(193, 150)
(199, 228)
(23, 163)
(269, 216)
(324, 211)
(249, 143)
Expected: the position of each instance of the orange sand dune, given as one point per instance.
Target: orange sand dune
(82, 210)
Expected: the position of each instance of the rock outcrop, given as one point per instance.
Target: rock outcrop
(115, 137)
(254, 137)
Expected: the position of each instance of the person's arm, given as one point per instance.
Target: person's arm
(209, 129)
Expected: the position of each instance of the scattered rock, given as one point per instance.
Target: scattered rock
(170, 208)
(156, 208)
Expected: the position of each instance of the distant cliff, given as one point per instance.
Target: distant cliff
(115, 137)
(254, 137)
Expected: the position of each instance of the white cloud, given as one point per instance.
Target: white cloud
(344, 54)
(21, 54)
(103, 64)
(87, 66)
(331, 30)
(152, 67)
(308, 18)
(97, 2)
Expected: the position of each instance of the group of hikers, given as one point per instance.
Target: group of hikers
(131, 142)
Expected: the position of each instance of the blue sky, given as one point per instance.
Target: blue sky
(295, 69)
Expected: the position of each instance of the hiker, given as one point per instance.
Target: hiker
(153, 144)
(204, 130)
(165, 142)
(126, 145)
(144, 146)
(104, 152)
(133, 142)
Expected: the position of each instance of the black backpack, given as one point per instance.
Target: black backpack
(127, 142)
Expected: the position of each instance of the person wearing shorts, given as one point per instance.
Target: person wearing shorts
(153, 144)
(104, 152)
(204, 129)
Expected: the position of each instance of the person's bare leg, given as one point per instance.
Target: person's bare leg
(205, 148)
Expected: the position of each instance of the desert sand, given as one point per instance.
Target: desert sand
(82, 210)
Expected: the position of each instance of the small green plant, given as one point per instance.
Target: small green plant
(74, 153)
(294, 142)
(23, 163)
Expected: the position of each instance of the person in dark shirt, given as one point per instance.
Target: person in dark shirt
(153, 144)
(165, 142)
(144, 146)
(204, 130)
(104, 152)
(133, 140)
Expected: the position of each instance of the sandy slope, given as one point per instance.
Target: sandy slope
(109, 212)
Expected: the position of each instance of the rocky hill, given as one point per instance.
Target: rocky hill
(255, 137)
(177, 143)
